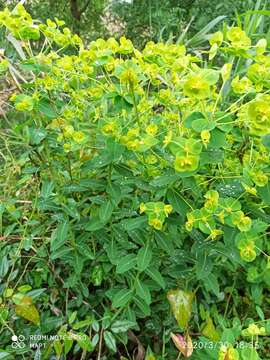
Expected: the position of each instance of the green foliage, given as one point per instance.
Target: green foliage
(135, 196)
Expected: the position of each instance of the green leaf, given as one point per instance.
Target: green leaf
(164, 180)
(85, 251)
(5, 355)
(67, 345)
(122, 297)
(37, 135)
(142, 291)
(81, 324)
(114, 150)
(121, 326)
(115, 193)
(47, 189)
(136, 223)
(57, 347)
(110, 340)
(266, 141)
(77, 263)
(146, 143)
(164, 242)
(264, 193)
(211, 76)
(228, 336)
(142, 305)
(193, 117)
(84, 341)
(211, 284)
(211, 156)
(218, 139)
(4, 266)
(105, 211)
(178, 202)
(27, 310)
(204, 266)
(249, 353)
(36, 293)
(59, 236)
(47, 109)
(203, 35)
(144, 257)
(94, 224)
(210, 331)
(24, 288)
(260, 312)
(112, 251)
(156, 276)
(60, 253)
(181, 304)
(202, 124)
(126, 263)
(31, 65)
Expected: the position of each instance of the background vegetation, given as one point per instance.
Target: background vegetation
(139, 20)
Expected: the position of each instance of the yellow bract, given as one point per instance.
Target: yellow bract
(196, 86)
(238, 38)
(185, 163)
(259, 115)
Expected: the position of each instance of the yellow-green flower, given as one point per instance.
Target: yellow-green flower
(150, 357)
(67, 147)
(151, 159)
(247, 249)
(241, 221)
(259, 115)
(215, 233)
(241, 86)
(68, 131)
(126, 46)
(259, 178)
(152, 129)
(238, 38)
(156, 223)
(23, 102)
(226, 71)
(259, 74)
(4, 63)
(142, 208)
(228, 353)
(261, 46)
(216, 38)
(205, 136)
(250, 190)
(254, 330)
(211, 197)
(186, 163)
(110, 128)
(165, 95)
(129, 76)
(78, 137)
(168, 138)
(168, 209)
(196, 87)
(190, 221)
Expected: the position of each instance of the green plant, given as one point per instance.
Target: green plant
(133, 188)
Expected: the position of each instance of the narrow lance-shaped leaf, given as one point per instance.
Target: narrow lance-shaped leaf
(144, 257)
(60, 236)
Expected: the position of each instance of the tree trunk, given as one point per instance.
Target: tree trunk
(76, 13)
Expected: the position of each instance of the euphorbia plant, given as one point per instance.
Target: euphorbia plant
(143, 175)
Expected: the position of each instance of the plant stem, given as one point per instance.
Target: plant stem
(100, 344)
